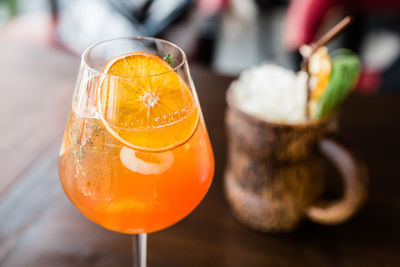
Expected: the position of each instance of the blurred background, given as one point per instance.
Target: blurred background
(226, 35)
(37, 38)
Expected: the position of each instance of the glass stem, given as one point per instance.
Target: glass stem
(139, 246)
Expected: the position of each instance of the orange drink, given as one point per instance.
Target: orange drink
(131, 191)
(135, 157)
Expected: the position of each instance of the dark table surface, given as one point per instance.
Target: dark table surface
(40, 227)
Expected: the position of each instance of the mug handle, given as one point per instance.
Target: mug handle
(355, 179)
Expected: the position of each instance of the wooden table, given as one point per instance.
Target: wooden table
(40, 227)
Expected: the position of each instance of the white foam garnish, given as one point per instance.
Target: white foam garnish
(130, 161)
(272, 93)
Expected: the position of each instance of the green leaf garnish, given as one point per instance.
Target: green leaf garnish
(346, 67)
(169, 58)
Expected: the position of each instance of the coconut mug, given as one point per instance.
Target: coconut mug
(275, 172)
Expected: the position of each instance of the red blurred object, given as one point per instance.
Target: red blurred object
(369, 81)
(303, 19)
(305, 16)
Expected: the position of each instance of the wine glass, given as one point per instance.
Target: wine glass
(135, 157)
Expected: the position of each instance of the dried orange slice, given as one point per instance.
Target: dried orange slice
(320, 66)
(145, 104)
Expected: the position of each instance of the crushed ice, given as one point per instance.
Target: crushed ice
(272, 93)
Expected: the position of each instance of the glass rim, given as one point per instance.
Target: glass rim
(101, 73)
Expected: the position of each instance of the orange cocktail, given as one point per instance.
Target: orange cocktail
(136, 156)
